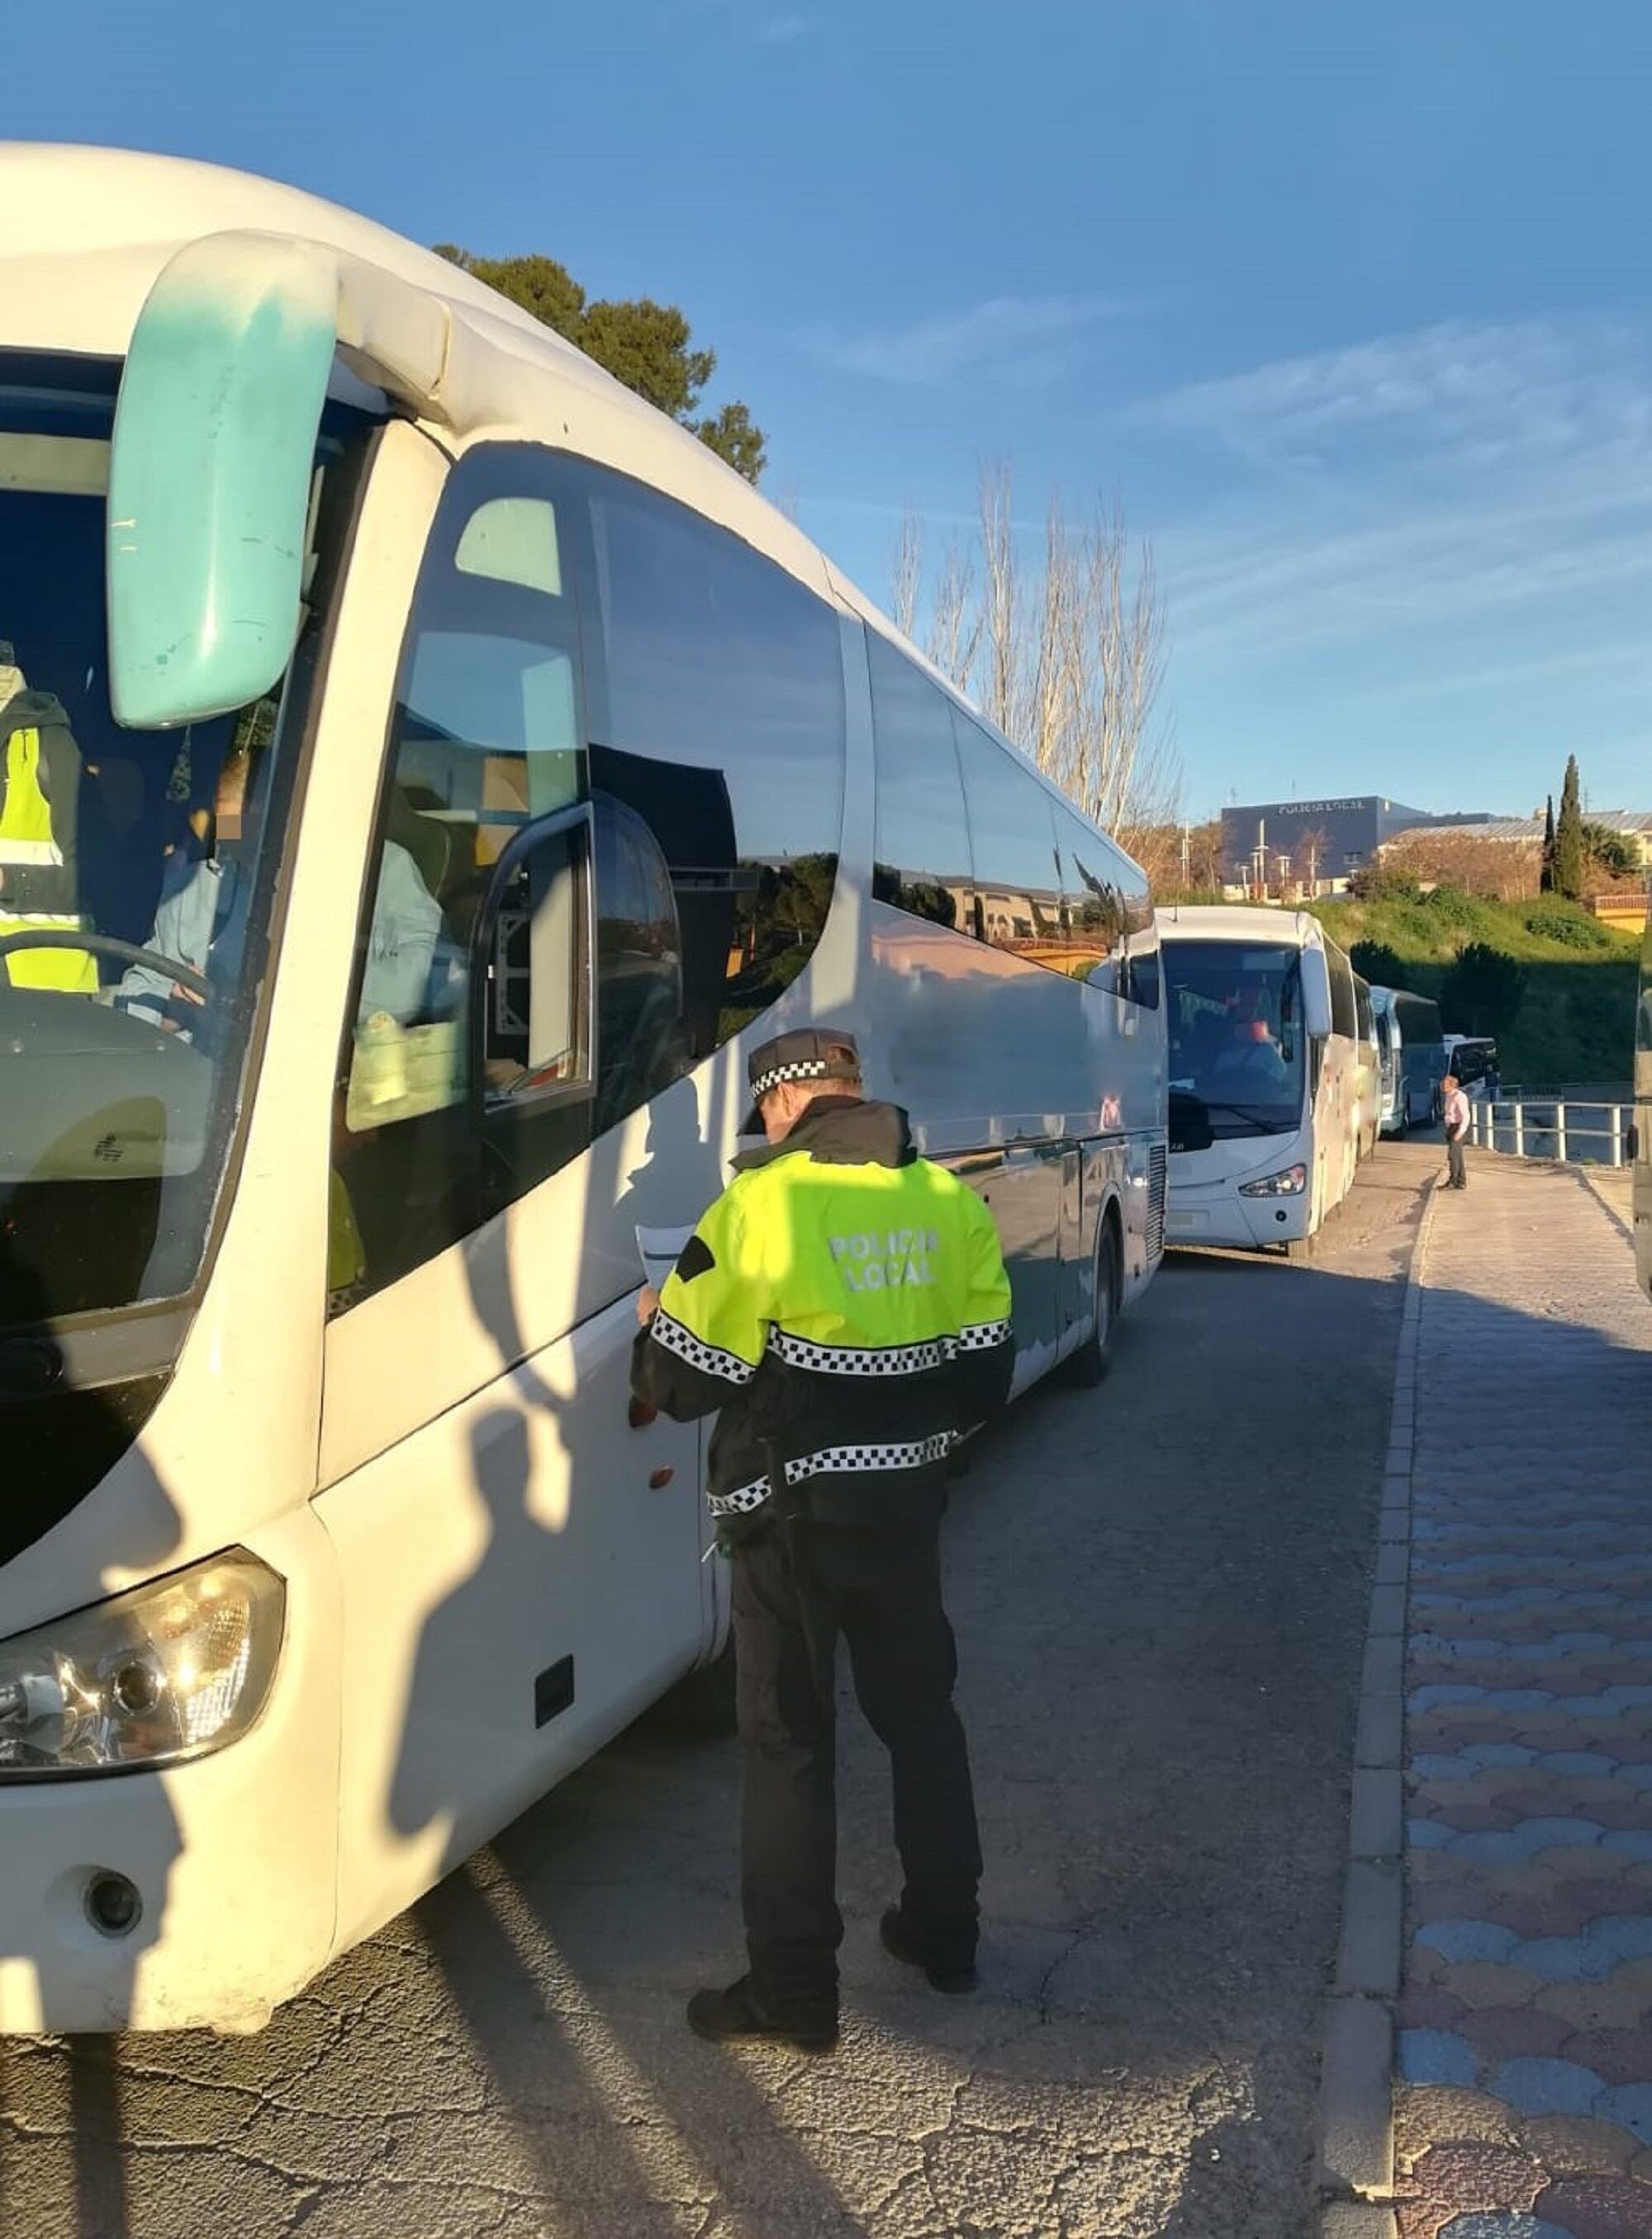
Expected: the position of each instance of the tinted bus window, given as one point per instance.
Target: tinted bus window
(1345, 1015)
(1017, 868)
(1108, 921)
(725, 674)
(592, 865)
(922, 855)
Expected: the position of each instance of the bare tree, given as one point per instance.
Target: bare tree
(1067, 659)
(953, 641)
(1002, 649)
(908, 584)
(1457, 855)
(1309, 856)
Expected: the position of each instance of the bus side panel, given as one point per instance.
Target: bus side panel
(1335, 1119)
(520, 1577)
(1006, 1067)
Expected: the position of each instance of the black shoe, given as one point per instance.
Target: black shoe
(725, 2017)
(956, 1982)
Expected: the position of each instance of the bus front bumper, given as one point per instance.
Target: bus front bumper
(1217, 1214)
(233, 1857)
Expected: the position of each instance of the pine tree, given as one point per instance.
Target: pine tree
(1571, 856)
(1546, 882)
(645, 344)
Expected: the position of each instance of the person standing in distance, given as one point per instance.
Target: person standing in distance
(844, 1305)
(1457, 1129)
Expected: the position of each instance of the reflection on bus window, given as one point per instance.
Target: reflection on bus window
(922, 859)
(581, 645)
(1238, 1053)
(716, 661)
(133, 935)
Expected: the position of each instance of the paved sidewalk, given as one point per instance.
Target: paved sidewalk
(1524, 2105)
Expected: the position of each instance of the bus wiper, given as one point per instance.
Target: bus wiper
(1250, 1112)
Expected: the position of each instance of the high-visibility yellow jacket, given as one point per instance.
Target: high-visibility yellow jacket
(844, 1305)
(36, 885)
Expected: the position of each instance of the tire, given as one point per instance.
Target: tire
(1088, 1366)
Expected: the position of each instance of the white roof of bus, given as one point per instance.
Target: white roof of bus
(1236, 922)
(85, 232)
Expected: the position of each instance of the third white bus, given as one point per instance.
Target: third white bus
(1265, 1111)
(1413, 1057)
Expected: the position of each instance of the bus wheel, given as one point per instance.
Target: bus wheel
(1090, 1364)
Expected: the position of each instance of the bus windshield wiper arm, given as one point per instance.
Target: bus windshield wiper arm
(1218, 1103)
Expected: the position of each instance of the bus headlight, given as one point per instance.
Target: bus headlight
(170, 1670)
(1290, 1183)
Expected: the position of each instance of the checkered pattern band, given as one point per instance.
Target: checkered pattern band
(836, 1461)
(830, 1461)
(884, 1359)
(711, 1360)
(861, 1360)
(742, 1502)
(803, 1068)
(981, 1336)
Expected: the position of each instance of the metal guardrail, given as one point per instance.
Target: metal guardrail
(1566, 1091)
(1584, 1131)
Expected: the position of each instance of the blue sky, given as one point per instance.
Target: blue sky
(1349, 303)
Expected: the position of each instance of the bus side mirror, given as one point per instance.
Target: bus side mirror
(1316, 994)
(209, 477)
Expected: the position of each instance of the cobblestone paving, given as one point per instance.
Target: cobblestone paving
(1523, 2107)
(1159, 1590)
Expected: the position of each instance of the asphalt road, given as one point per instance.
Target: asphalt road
(1160, 1590)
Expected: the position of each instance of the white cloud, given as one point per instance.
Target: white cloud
(1472, 476)
(781, 30)
(1023, 341)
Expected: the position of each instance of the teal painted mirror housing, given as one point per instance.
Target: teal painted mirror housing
(208, 493)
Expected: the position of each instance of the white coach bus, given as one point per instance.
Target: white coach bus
(1265, 1075)
(427, 772)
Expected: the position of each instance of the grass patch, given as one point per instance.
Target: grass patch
(1575, 1017)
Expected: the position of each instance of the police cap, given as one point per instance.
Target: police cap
(806, 1053)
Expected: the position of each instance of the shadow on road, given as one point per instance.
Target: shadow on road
(1160, 1590)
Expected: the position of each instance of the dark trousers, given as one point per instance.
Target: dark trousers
(882, 1591)
(1457, 1174)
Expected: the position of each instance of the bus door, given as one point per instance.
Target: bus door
(520, 1548)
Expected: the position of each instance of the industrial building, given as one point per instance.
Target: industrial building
(1284, 848)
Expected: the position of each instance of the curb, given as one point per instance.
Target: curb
(1356, 2171)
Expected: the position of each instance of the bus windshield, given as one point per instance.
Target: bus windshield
(136, 875)
(1238, 1050)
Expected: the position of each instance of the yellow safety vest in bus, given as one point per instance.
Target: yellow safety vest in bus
(26, 842)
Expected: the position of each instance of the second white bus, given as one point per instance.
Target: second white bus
(1265, 1114)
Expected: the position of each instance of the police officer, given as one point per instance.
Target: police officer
(39, 807)
(844, 1305)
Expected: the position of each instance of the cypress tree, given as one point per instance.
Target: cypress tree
(1546, 881)
(1570, 855)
